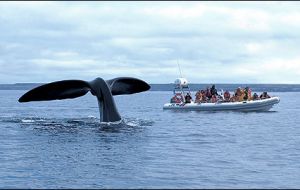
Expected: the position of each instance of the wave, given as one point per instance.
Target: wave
(74, 124)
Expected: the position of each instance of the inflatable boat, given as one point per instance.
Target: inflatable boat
(252, 105)
(181, 86)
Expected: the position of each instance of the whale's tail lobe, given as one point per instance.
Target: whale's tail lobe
(127, 85)
(103, 90)
(57, 91)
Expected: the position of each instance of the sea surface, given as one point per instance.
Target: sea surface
(61, 144)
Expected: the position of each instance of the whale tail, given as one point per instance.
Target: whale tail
(103, 90)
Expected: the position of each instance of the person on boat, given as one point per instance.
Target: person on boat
(255, 97)
(234, 98)
(247, 94)
(208, 93)
(188, 98)
(203, 96)
(240, 94)
(213, 98)
(213, 90)
(177, 98)
(172, 100)
(264, 95)
(237, 93)
(226, 96)
(198, 97)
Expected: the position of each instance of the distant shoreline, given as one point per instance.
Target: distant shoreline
(193, 87)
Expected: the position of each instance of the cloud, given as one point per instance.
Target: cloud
(228, 42)
(177, 12)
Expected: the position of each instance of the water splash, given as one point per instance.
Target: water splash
(71, 124)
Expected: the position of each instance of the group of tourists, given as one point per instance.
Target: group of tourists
(210, 95)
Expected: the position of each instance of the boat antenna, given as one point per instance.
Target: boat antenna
(181, 88)
(179, 68)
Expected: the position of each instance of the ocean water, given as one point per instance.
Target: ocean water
(61, 144)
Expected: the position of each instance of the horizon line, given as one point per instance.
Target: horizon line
(166, 83)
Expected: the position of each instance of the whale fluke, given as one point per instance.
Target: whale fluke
(103, 90)
(126, 85)
(57, 91)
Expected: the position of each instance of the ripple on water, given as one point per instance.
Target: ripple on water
(71, 124)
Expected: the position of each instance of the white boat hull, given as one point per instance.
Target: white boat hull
(257, 105)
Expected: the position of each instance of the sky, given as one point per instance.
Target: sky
(213, 42)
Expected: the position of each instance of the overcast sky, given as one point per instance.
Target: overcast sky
(214, 42)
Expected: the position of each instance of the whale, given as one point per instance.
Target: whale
(104, 90)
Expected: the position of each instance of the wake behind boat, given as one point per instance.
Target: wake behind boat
(210, 100)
